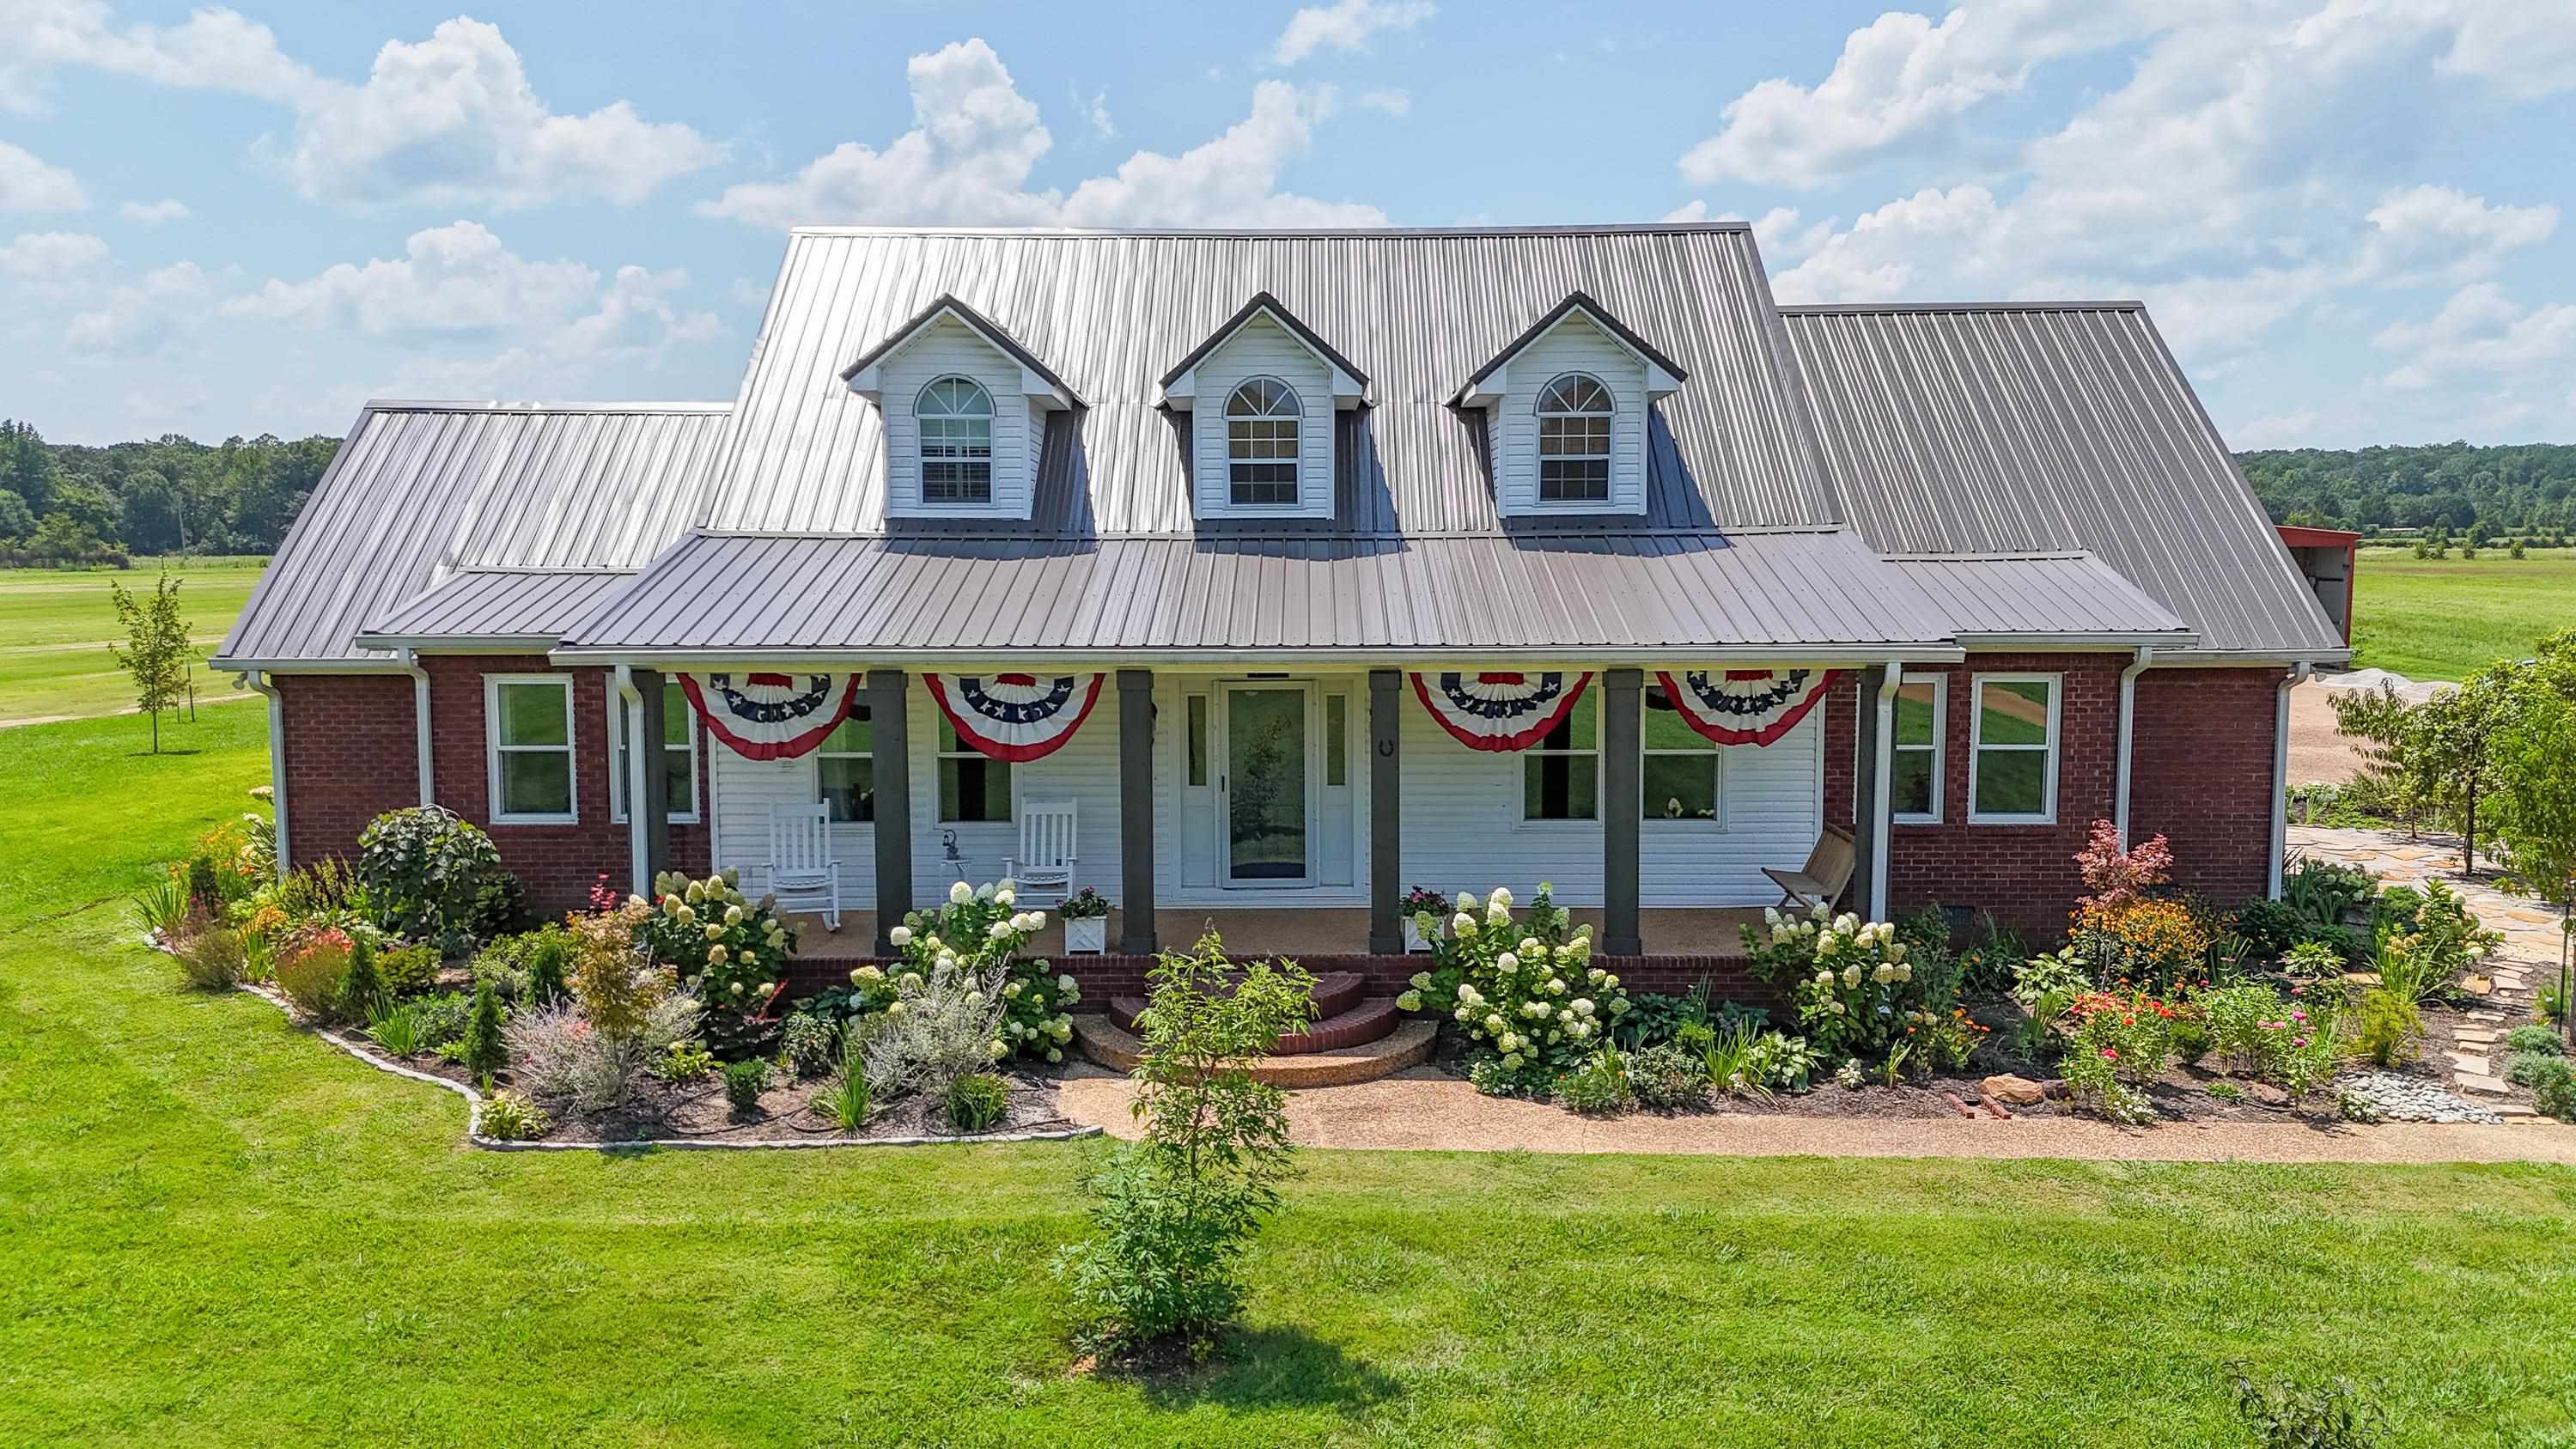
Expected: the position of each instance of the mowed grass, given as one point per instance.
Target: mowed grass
(56, 624)
(220, 1231)
(2449, 618)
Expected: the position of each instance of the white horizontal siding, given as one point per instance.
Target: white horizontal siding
(1575, 344)
(1262, 348)
(948, 347)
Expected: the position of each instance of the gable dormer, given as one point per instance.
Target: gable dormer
(963, 406)
(1262, 391)
(1566, 406)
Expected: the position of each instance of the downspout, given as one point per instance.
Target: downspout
(2128, 737)
(420, 721)
(2281, 773)
(261, 682)
(1880, 836)
(630, 706)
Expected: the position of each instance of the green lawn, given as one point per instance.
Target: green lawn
(219, 1231)
(55, 626)
(2448, 618)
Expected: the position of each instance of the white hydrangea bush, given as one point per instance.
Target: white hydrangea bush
(1523, 991)
(981, 930)
(731, 950)
(1856, 989)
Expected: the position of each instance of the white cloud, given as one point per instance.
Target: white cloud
(448, 120)
(51, 256)
(1388, 100)
(2276, 430)
(28, 183)
(1688, 211)
(2479, 330)
(976, 140)
(453, 278)
(2439, 229)
(1887, 248)
(1344, 25)
(140, 318)
(1095, 112)
(153, 213)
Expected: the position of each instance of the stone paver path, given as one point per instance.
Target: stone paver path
(2511, 976)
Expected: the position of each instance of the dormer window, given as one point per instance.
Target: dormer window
(1574, 440)
(1262, 419)
(956, 417)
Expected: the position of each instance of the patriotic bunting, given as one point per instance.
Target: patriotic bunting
(771, 716)
(1017, 717)
(1745, 706)
(1499, 712)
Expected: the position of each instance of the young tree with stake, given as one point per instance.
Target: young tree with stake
(157, 650)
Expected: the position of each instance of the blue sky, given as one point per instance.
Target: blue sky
(2346, 214)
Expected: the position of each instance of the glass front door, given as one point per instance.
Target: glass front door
(1263, 785)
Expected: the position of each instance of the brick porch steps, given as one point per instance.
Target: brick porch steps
(1336, 992)
(1408, 1044)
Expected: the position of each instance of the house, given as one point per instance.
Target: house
(1308, 567)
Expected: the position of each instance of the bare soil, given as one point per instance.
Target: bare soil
(2319, 752)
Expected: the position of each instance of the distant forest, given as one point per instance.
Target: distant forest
(2517, 490)
(68, 503)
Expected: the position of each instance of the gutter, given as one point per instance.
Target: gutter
(1880, 836)
(2128, 738)
(266, 684)
(630, 703)
(410, 661)
(2281, 773)
(1560, 655)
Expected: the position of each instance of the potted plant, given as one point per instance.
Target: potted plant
(1086, 922)
(1421, 905)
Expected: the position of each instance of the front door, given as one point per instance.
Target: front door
(1264, 785)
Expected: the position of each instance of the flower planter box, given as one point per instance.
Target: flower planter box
(1414, 944)
(1086, 936)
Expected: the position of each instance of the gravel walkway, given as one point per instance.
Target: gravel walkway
(1427, 1110)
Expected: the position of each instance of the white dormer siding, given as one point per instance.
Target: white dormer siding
(950, 348)
(1574, 344)
(1261, 348)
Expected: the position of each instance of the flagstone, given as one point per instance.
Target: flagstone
(2473, 1082)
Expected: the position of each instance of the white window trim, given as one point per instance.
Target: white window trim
(493, 750)
(822, 752)
(618, 710)
(1976, 746)
(1296, 464)
(1656, 820)
(1940, 738)
(992, 450)
(967, 752)
(1608, 457)
(1556, 825)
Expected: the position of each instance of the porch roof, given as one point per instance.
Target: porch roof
(533, 606)
(2042, 595)
(1782, 593)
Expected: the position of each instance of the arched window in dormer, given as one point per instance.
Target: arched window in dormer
(1574, 440)
(955, 415)
(1262, 419)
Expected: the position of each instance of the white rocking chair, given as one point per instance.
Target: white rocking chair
(1045, 861)
(802, 870)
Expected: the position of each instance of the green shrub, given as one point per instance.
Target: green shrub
(1526, 989)
(529, 966)
(2553, 1088)
(743, 1084)
(407, 970)
(430, 875)
(362, 990)
(1668, 1078)
(1599, 1087)
(2530, 1038)
(810, 1043)
(310, 967)
(2389, 1027)
(513, 1118)
(685, 1061)
(2191, 1039)
(2313, 961)
(396, 1029)
(212, 956)
(976, 1102)
(2527, 1069)
(2288, 1416)
(441, 1019)
(483, 1048)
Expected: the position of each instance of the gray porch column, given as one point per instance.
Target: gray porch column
(1386, 812)
(652, 814)
(1136, 812)
(1621, 808)
(890, 747)
(1865, 804)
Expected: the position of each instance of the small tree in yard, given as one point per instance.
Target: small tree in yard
(2537, 748)
(1177, 1212)
(157, 651)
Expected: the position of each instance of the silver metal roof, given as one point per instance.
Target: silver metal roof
(1984, 595)
(421, 489)
(1111, 312)
(2050, 427)
(1793, 594)
(536, 605)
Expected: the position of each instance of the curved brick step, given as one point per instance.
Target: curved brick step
(1335, 992)
(1372, 1020)
(1408, 1044)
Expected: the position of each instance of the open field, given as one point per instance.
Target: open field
(223, 1232)
(55, 626)
(2448, 618)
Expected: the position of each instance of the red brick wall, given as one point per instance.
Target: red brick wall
(2202, 774)
(349, 756)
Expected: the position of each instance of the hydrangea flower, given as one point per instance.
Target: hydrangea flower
(1409, 1001)
(960, 893)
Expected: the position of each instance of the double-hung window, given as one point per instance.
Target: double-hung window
(1682, 770)
(1574, 415)
(1914, 754)
(527, 722)
(1561, 774)
(845, 771)
(973, 786)
(1262, 421)
(679, 755)
(955, 415)
(2012, 749)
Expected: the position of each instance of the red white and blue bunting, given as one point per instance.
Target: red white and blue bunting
(1499, 711)
(1017, 717)
(771, 716)
(1745, 706)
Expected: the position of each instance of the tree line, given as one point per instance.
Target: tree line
(75, 503)
(2484, 494)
